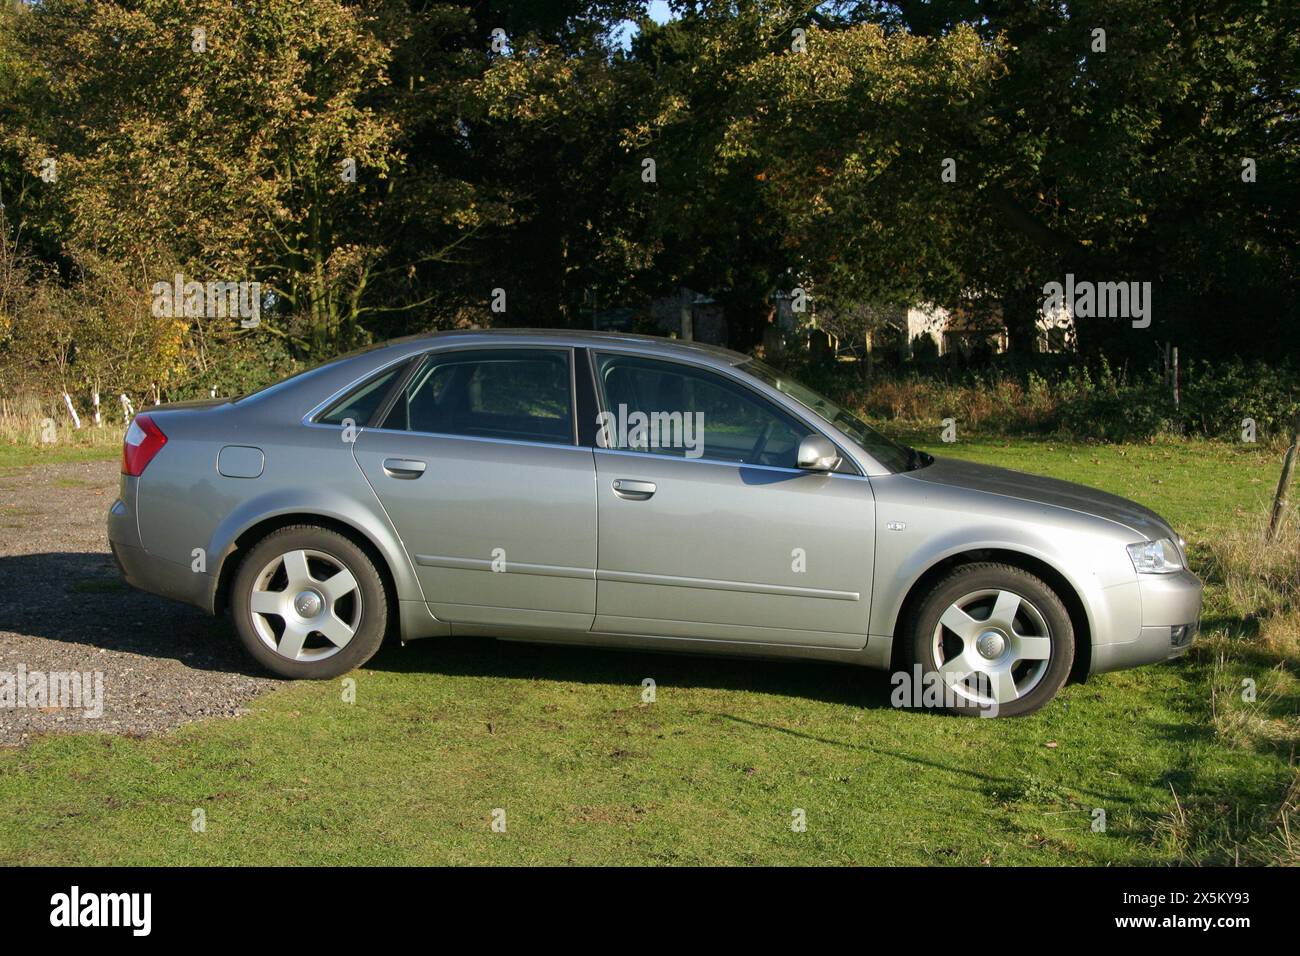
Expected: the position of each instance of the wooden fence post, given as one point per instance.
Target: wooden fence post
(1279, 499)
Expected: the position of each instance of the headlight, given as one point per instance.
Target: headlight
(1155, 557)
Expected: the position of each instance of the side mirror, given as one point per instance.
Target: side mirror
(816, 453)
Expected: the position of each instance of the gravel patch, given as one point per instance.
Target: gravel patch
(64, 608)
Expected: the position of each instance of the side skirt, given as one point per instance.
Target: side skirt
(875, 654)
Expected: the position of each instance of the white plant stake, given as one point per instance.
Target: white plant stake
(95, 400)
(76, 419)
(127, 409)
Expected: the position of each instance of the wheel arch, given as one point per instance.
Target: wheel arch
(233, 555)
(1057, 581)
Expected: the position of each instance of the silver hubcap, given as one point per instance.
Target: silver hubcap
(305, 605)
(308, 604)
(992, 646)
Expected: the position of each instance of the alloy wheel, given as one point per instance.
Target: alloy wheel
(992, 646)
(305, 605)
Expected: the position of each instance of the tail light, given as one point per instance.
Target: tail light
(143, 440)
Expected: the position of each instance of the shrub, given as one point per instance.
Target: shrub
(1112, 406)
(1048, 394)
(235, 365)
(1218, 396)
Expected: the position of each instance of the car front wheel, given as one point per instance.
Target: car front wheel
(308, 603)
(994, 639)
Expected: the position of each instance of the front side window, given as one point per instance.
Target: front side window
(673, 409)
(512, 394)
(889, 453)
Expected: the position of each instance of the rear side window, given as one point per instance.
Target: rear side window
(364, 401)
(513, 394)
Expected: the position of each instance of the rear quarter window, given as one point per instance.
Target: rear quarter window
(362, 403)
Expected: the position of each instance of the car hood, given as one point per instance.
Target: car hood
(1048, 491)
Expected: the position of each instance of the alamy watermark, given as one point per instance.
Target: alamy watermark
(61, 690)
(1100, 300)
(212, 300)
(932, 690)
(133, 911)
(638, 431)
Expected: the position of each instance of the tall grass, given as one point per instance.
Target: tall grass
(1258, 579)
(1255, 684)
(27, 421)
(999, 405)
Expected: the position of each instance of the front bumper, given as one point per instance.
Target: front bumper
(1170, 620)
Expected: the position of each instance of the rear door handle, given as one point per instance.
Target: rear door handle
(403, 467)
(632, 489)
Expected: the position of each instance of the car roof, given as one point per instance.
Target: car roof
(569, 337)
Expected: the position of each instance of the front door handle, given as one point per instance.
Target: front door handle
(403, 467)
(633, 490)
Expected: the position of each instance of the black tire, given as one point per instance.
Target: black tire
(1048, 613)
(369, 616)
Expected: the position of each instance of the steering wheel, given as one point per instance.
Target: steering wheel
(756, 453)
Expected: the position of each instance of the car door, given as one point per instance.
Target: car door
(707, 530)
(477, 465)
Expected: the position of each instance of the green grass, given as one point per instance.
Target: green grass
(1198, 485)
(15, 457)
(444, 732)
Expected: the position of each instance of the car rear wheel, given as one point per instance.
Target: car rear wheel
(994, 639)
(308, 603)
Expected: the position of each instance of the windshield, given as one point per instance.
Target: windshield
(888, 452)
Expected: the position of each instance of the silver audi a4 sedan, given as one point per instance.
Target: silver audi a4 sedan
(626, 491)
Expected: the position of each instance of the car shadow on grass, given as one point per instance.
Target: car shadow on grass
(830, 683)
(80, 598)
(485, 657)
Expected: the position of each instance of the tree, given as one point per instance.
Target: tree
(1113, 148)
(546, 130)
(244, 143)
(849, 140)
